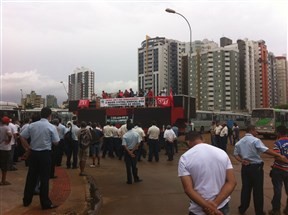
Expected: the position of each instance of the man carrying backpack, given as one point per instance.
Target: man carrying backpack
(84, 138)
(96, 134)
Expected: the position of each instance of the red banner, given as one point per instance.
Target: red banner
(163, 101)
(83, 103)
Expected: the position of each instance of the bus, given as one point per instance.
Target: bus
(10, 109)
(63, 114)
(203, 120)
(266, 120)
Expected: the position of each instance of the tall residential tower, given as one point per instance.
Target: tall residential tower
(160, 65)
(81, 84)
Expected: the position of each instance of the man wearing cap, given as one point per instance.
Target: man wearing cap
(43, 135)
(5, 148)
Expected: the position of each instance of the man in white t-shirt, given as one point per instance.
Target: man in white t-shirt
(207, 177)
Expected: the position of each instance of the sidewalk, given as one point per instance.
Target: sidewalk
(70, 201)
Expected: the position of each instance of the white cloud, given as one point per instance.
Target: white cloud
(57, 36)
(33, 80)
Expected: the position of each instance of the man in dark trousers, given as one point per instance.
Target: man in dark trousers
(43, 135)
(247, 151)
(130, 141)
(279, 172)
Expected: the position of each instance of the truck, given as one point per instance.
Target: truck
(165, 110)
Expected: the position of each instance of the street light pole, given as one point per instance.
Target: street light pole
(64, 88)
(65, 91)
(168, 10)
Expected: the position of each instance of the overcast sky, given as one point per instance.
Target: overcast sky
(43, 41)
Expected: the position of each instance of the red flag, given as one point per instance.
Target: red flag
(84, 103)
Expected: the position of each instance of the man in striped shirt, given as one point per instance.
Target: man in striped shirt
(279, 172)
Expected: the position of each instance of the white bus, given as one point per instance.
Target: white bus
(266, 120)
(204, 119)
(10, 109)
(63, 114)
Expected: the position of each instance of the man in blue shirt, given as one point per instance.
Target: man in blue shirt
(247, 151)
(43, 135)
(130, 142)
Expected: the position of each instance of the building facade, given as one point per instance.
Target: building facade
(215, 78)
(273, 86)
(247, 74)
(281, 69)
(261, 74)
(81, 84)
(33, 100)
(51, 101)
(160, 65)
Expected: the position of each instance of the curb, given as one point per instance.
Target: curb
(93, 197)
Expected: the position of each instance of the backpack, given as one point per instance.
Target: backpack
(84, 138)
(68, 136)
(96, 135)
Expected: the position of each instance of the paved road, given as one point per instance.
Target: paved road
(161, 191)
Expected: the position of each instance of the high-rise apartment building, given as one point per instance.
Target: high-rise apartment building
(255, 74)
(247, 74)
(33, 100)
(160, 65)
(215, 78)
(81, 84)
(273, 86)
(281, 69)
(261, 74)
(51, 101)
(224, 41)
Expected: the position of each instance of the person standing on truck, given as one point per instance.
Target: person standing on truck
(153, 142)
(150, 98)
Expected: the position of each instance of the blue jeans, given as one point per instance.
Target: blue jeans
(278, 177)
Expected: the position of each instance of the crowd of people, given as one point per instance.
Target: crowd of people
(205, 170)
(43, 142)
(130, 93)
